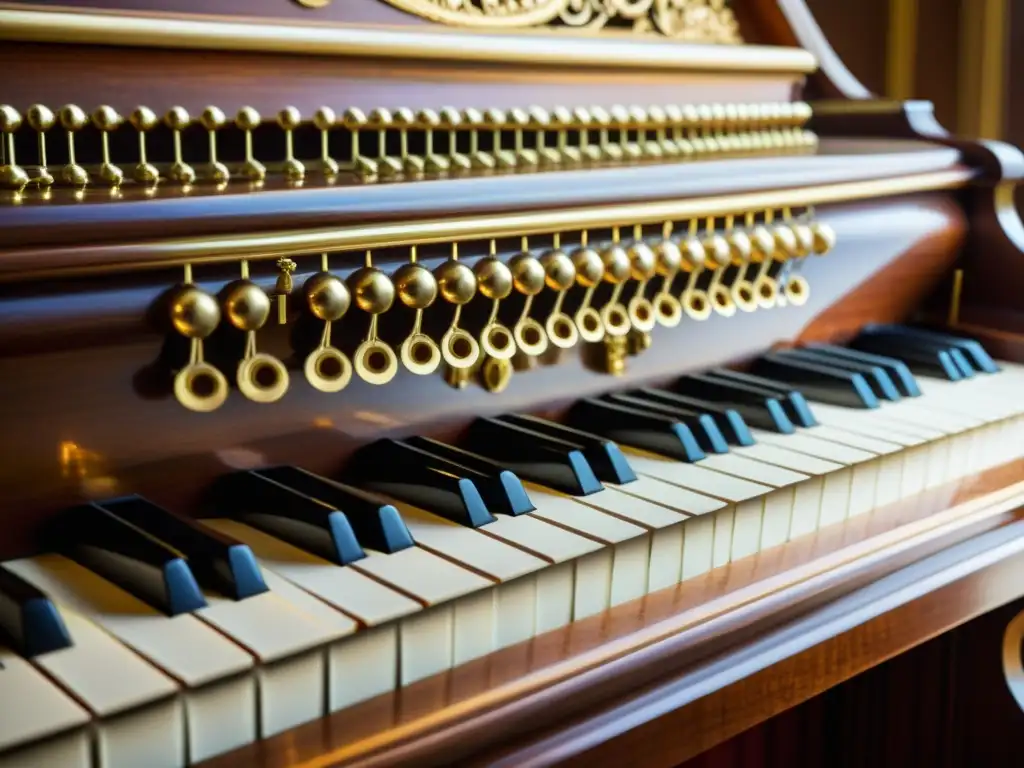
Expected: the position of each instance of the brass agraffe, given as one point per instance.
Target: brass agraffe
(454, 142)
(704, 21)
(685, 269)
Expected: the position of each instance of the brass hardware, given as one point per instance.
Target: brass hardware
(695, 301)
(289, 119)
(528, 277)
(668, 261)
(494, 281)
(824, 238)
(107, 120)
(614, 351)
(616, 265)
(262, 378)
(741, 247)
(41, 119)
(327, 368)
(565, 120)
(497, 119)
(718, 257)
(405, 119)
(324, 119)
(457, 285)
(458, 378)
(73, 119)
(638, 341)
(643, 265)
(248, 120)
(795, 288)
(12, 176)
(195, 314)
(541, 122)
(520, 120)
(381, 120)
(417, 289)
(450, 119)
(374, 293)
(496, 374)
(953, 317)
(283, 288)
(589, 271)
(474, 118)
(429, 120)
(213, 120)
(177, 119)
(559, 275)
(144, 120)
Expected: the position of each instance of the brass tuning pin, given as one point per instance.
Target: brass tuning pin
(494, 281)
(585, 119)
(668, 260)
(41, 120)
(107, 120)
(621, 119)
(405, 120)
(795, 287)
(617, 266)
(457, 285)
(639, 118)
(327, 368)
(73, 119)
(143, 119)
(741, 250)
(289, 119)
(718, 258)
(324, 119)
(642, 267)
(565, 120)
(355, 120)
(520, 120)
(429, 120)
(451, 120)
(497, 119)
(417, 289)
(213, 119)
(824, 235)
(374, 293)
(589, 270)
(665, 145)
(474, 118)
(261, 377)
(694, 300)
(381, 120)
(12, 175)
(248, 120)
(199, 386)
(691, 123)
(762, 253)
(528, 277)
(177, 119)
(283, 288)
(559, 275)
(541, 122)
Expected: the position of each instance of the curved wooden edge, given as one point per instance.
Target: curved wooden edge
(601, 662)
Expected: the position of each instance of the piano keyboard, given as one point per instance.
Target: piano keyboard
(148, 639)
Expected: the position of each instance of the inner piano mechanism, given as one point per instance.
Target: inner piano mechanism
(69, 147)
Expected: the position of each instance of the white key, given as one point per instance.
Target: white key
(40, 725)
(140, 718)
(458, 602)
(514, 600)
(220, 698)
(363, 665)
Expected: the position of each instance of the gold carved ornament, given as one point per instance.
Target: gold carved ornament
(705, 21)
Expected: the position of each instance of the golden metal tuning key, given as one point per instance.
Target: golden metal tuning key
(417, 289)
(327, 368)
(382, 121)
(694, 300)
(283, 288)
(289, 119)
(198, 385)
(668, 260)
(450, 119)
(177, 119)
(559, 275)
(213, 119)
(12, 175)
(374, 293)
(741, 247)
(41, 120)
(107, 120)
(528, 277)
(324, 119)
(643, 265)
(457, 285)
(261, 377)
(429, 121)
(143, 119)
(248, 120)
(616, 265)
(589, 271)
(494, 281)
(73, 119)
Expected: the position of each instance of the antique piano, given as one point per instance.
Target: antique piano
(497, 382)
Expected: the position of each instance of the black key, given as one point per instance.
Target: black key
(819, 382)
(412, 475)
(974, 351)
(960, 361)
(533, 456)
(29, 622)
(129, 557)
(502, 491)
(757, 409)
(218, 562)
(633, 426)
(876, 376)
(793, 401)
(305, 522)
(728, 420)
(702, 425)
(898, 371)
(604, 456)
(376, 523)
(922, 358)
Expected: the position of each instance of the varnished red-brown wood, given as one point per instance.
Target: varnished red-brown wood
(575, 690)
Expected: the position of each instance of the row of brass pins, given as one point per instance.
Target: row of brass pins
(591, 134)
(630, 264)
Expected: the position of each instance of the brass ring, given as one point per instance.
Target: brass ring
(697, 305)
(561, 330)
(420, 354)
(743, 296)
(262, 378)
(200, 387)
(615, 319)
(641, 314)
(721, 301)
(530, 337)
(497, 342)
(589, 324)
(459, 349)
(375, 362)
(328, 369)
(766, 292)
(797, 290)
(668, 310)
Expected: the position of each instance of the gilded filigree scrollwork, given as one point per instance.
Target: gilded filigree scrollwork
(705, 21)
